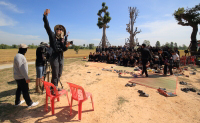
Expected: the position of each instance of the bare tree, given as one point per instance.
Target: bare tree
(130, 27)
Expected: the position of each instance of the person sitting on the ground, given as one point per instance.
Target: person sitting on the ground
(125, 61)
(131, 62)
(101, 57)
(94, 56)
(90, 57)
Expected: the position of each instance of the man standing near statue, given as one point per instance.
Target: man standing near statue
(146, 56)
(58, 44)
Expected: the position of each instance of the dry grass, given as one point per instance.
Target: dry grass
(8, 89)
(7, 55)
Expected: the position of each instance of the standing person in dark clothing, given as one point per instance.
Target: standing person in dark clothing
(145, 56)
(97, 49)
(58, 44)
(40, 65)
(20, 69)
(165, 58)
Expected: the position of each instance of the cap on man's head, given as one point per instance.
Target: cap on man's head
(23, 46)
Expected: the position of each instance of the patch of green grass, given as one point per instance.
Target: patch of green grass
(121, 101)
(92, 83)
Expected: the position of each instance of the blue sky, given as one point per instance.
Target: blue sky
(21, 20)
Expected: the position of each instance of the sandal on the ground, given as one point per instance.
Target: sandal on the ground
(144, 95)
(183, 83)
(185, 90)
(192, 89)
(140, 91)
(171, 94)
(133, 84)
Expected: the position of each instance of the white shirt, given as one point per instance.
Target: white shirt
(20, 67)
(175, 57)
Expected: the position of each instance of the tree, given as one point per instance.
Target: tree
(189, 17)
(175, 45)
(157, 43)
(147, 42)
(102, 21)
(76, 48)
(172, 45)
(167, 44)
(133, 15)
(91, 46)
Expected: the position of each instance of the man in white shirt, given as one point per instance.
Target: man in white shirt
(20, 68)
(176, 59)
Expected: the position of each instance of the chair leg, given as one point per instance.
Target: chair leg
(79, 109)
(58, 99)
(92, 102)
(52, 106)
(68, 98)
(46, 105)
(71, 106)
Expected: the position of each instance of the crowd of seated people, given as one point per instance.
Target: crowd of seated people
(131, 57)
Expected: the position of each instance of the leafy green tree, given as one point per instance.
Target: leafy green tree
(103, 20)
(175, 45)
(76, 48)
(147, 42)
(157, 43)
(167, 44)
(14, 46)
(189, 17)
(91, 46)
(172, 45)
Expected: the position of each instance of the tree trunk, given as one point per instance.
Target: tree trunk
(131, 35)
(104, 37)
(193, 46)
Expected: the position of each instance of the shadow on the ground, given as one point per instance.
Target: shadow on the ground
(22, 113)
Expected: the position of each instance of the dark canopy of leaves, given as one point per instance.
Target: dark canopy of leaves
(102, 21)
(189, 16)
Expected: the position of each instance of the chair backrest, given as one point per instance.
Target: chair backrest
(48, 86)
(77, 91)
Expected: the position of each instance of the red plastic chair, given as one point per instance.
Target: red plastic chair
(57, 95)
(79, 95)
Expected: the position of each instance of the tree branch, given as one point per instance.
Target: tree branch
(184, 24)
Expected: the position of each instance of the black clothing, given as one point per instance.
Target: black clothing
(144, 68)
(145, 57)
(58, 46)
(125, 61)
(40, 56)
(90, 58)
(56, 66)
(145, 54)
(22, 86)
(97, 49)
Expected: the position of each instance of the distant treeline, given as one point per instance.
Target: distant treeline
(32, 46)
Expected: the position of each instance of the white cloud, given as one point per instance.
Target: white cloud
(96, 40)
(9, 39)
(6, 21)
(10, 6)
(78, 41)
(165, 31)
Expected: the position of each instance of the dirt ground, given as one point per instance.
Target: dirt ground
(113, 102)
